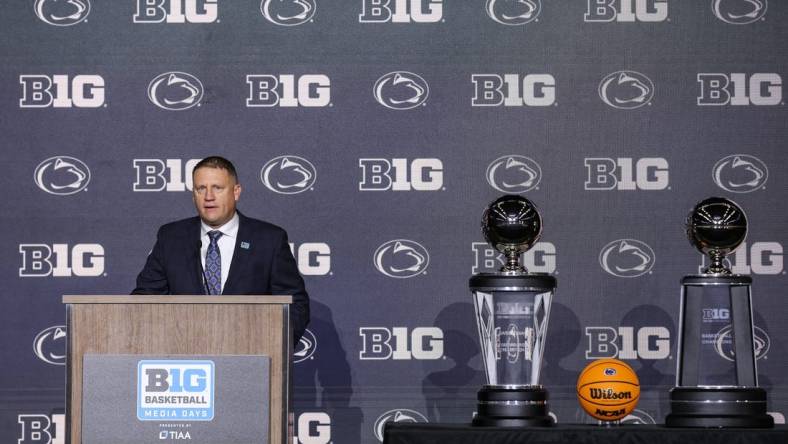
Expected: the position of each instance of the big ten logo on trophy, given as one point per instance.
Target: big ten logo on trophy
(382, 343)
(176, 11)
(759, 258)
(401, 11)
(313, 428)
(41, 429)
(628, 343)
(423, 174)
(288, 90)
(397, 416)
(722, 340)
(61, 260)
(288, 12)
(740, 89)
(62, 175)
(49, 345)
(313, 258)
(740, 173)
(739, 12)
(163, 174)
(513, 90)
(627, 11)
(626, 173)
(175, 390)
(541, 258)
(514, 13)
(62, 91)
(62, 13)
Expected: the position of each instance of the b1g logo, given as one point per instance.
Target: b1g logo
(401, 90)
(313, 428)
(60, 91)
(541, 258)
(288, 12)
(513, 90)
(627, 258)
(401, 174)
(50, 345)
(626, 90)
(401, 11)
(514, 174)
(739, 12)
(288, 175)
(624, 173)
(175, 390)
(175, 91)
(381, 343)
(626, 343)
(163, 174)
(761, 258)
(305, 349)
(626, 11)
(285, 90)
(514, 13)
(176, 11)
(740, 173)
(41, 429)
(62, 12)
(401, 258)
(313, 258)
(62, 175)
(740, 89)
(41, 260)
(396, 415)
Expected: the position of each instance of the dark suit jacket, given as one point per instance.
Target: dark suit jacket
(263, 265)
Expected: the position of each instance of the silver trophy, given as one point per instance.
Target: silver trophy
(512, 307)
(716, 377)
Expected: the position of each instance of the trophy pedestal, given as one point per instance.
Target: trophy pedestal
(743, 407)
(512, 406)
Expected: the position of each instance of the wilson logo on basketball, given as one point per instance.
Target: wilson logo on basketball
(597, 393)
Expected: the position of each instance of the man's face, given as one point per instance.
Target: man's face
(215, 193)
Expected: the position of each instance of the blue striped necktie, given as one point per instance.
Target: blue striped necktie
(213, 264)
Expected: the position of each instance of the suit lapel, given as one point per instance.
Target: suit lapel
(193, 259)
(240, 256)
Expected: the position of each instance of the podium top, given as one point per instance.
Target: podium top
(175, 299)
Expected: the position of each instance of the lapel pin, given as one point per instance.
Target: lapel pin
(245, 245)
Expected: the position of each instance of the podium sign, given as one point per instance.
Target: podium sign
(139, 399)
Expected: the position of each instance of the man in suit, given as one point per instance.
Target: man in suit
(221, 251)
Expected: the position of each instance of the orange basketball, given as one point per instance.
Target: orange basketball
(608, 389)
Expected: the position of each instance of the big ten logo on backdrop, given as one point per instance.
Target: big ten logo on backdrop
(61, 260)
(541, 258)
(401, 259)
(62, 175)
(288, 174)
(396, 415)
(163, 174)
(739, 12)
(757, 258)
(740, 173)
(313, 258)
(176, 11)
(49, 345)
(41, 429)
(627, 258)
(313, 428)
(514, 13)
(175, 91)
(740, 89)
(62, 13)
(288, 12)
(626, 173)
(626, 90)
(397, 343)
(514, 174)
(175, 390)
(422, 174)
(401, 90)
(288, 90)
(626, 11)
(723, 340)
(628, 342)
(401, 11)
(513, 90)
(62, 91)
(306, 347)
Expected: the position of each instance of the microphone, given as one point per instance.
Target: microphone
(202, 270)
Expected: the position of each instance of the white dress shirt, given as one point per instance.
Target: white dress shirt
(226, 244)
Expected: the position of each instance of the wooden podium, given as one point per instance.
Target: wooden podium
(180, 325)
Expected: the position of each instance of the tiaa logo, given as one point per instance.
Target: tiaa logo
(62, 175)
(397, 415)
(514, 13)
(49, 345)
(401, 258)
(288, 12)
(175, 390)
(175, 91)
(288, 175)
(514, 174)
(626, 90)
(401, 90)
(305, 348)
(62, 12)
(740, 173)
(739, 12)
(627, 258)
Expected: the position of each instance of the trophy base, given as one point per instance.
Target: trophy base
(720, 407)
(504, 406)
